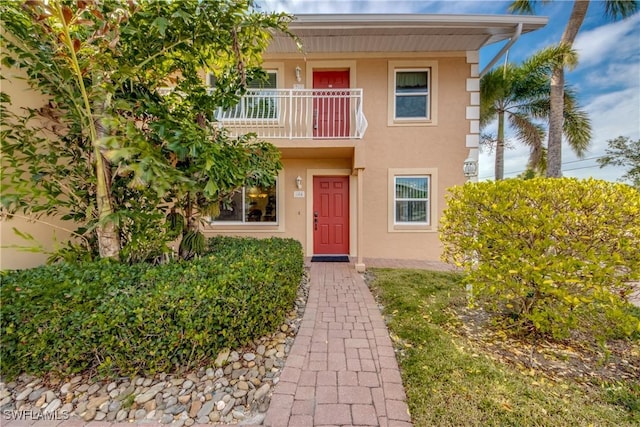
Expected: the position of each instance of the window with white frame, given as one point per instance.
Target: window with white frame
(411, 94)
(250, 205)
(259, 102)
(411, 199)
(412, 91)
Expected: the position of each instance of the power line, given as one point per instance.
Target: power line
(582, 167)
(564, 163)
(583, 160)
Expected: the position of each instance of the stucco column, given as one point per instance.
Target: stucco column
(360, 267)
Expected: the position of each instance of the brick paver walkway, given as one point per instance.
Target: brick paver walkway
(342, 368)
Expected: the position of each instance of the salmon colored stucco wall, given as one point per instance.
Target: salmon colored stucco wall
(441, 147)
(48, 232)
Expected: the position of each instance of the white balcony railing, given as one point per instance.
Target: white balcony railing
(297, 113)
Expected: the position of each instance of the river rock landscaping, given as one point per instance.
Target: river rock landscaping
(235, 388)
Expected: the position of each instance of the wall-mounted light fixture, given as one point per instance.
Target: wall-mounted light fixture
(470, 167)
(299, 182)
(298, 74)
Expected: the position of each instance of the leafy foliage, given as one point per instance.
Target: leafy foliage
(148, 319)
(549, 256)
(106, 149)
(625, 152)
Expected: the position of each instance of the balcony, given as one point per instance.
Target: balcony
(297, 114)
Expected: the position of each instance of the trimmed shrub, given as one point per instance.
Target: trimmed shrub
(550, 255)
(123, 319)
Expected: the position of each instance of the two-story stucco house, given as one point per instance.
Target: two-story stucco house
(374, 121)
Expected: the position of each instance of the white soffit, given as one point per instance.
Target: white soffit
(400, 33)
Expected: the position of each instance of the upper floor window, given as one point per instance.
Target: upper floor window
(412, 94)
(259, 102)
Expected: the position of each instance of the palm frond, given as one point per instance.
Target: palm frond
(523, 7)
(537, 108)
(530, 133)
(494, 88)
(545, 60)
(577, 125)
(577, 130)
(616, 9)
(541, 164)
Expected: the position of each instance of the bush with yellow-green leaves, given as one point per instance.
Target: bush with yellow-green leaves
(549, 256)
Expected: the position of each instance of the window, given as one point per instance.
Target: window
(259, 102)
(412, 195)
(249, 205)
(412, 94)
(411, 200)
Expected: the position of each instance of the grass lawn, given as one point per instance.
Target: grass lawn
(452, 381)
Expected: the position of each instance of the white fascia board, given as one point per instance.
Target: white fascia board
(347, 21)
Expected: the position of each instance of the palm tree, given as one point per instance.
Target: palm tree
(614, 9)
(520, 95)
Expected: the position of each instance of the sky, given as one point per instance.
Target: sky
(607, 78)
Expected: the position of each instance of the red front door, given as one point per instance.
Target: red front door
(331, 105)
(331, 215)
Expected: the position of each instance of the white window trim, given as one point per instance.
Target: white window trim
(432, 92)
(426, 199)
(432, 208)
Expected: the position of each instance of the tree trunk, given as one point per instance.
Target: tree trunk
(556, 114)
(556, 119)
(499, 171)
(108, 234)
(192, 224)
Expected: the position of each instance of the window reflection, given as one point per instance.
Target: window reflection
(250, 204)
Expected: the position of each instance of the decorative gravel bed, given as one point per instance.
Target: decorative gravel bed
(233, 389)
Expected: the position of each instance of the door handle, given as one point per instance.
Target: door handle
(315, 221)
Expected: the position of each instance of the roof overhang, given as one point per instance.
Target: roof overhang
(400, 33)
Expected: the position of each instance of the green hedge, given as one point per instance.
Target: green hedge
(124, 319)
(552, 255)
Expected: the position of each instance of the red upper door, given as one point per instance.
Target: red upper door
(331, 215)
(331, 107)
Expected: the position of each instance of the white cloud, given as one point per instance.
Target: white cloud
(386, 6)
(332, 6)
(618, 40)
(616, 113)
(608, 76)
